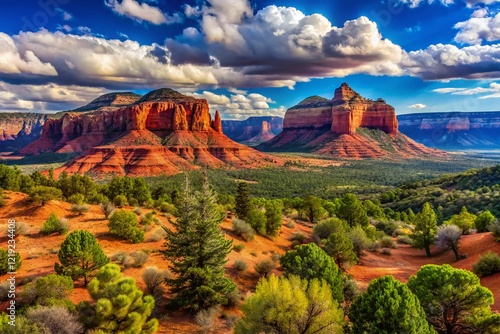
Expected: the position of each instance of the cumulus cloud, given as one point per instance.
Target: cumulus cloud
(45, 98)
(418, 106)
(142, 12)
(478, 28)
(241, 105)
(447, 62)
(13, 61)
(492, 91)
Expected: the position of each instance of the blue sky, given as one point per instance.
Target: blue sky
(251, 58)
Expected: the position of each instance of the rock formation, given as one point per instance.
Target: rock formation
(453, 130)
(162, 132)
(19, 129)
(346, 126)
(254, 130)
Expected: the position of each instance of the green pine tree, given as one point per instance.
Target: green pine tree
(388, 307)
(80, 255)
(352, 211)
(242, 201)
(197, 250)
(119, 305)
(426, 229)
(341, 249)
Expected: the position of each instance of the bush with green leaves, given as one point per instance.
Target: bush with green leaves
(42, 194)
(120, 200)
(483, 220)
(50, 290)
(79, 209)
(387, 242)
(388, 306)
(76, 199)
(22, 326)
(494, 228)
(55, 225)
(118, 306)
(341, 249)
(310, 261)
(464, 220)
(244, 230)
(322, 230)
(453, 299)
(404, 239)
(5, 265)
(80, 256)
(291, 305)
(124, 224)
(359, 240)
(488, 264)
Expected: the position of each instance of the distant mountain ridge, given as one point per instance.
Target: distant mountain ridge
(453, 130)
(254, 130)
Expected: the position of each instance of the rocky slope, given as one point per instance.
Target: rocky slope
(19, 129)
(453, 130)
(254, 130)
(346, 126)
(162, 132)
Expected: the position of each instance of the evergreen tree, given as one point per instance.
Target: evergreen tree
(464, 220)
(352, 211)
(483, 221)
(274, 216)
(341, 249)
(80, 255)
(453, 299)
(388, 307)
(242, 201)
(5, 265)
(312, 209)
(426, 229)
(119, 306)
(291, 306)
(309, 261)
(197, 250)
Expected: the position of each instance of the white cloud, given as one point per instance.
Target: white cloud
(14, 61)
(142, 12)
(478, 28)
(418, 106)
(65, 15)
(45, 98)
(492, 91)
(469, 3)
(446, 62)
(240, 105)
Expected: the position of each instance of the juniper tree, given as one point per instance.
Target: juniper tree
(118, 305)
(341, 249)
(80, 255)
(242, 201)
(352, 211)
(426, 229)
(197, 250)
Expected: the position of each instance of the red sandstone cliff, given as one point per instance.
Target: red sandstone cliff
(163, 132)
(19, 129)
(346, 126)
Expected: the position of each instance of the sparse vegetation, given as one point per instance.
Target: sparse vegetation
(107, 209)
(55, 225)
(240, 265)
(488, 264)
(244, 230)
(155, 279)
(264, 267)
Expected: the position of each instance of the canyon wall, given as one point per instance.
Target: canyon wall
(19, 129)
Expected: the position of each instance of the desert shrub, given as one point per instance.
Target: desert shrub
(299, 237)
(137, 211)
(4, 291)
(157, 235)
(76, 199)
(140, 258)
(147, 219)
(41, 194)
(20, 228)
(107, 209)
(386, 251)
(488, 264)
(404, 239)
(494, 228)
(56, 318)
(154, 279)
(98, 198)
(401, 231)
(54, 224)
(120, 200)
(123, 259)
(233, 298)
(80, 208)
(264, 267)
(167, 208)
(373, 246)
(290, 224)
(359, 239)
(244, 230)
(124, 224)
(240, 265)
(276, 257)
(206, 318)
(23, 326)
(388, 227)
(483, 220)
(324, 229)
(387, 242)
(50, 290)
(238, 247)
(231, 320)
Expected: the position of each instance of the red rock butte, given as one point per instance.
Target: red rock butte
(162, 132)
(348, 125)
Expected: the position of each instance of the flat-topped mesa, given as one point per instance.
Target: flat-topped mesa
(162, 111)
(351, 111)
(345, 113)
